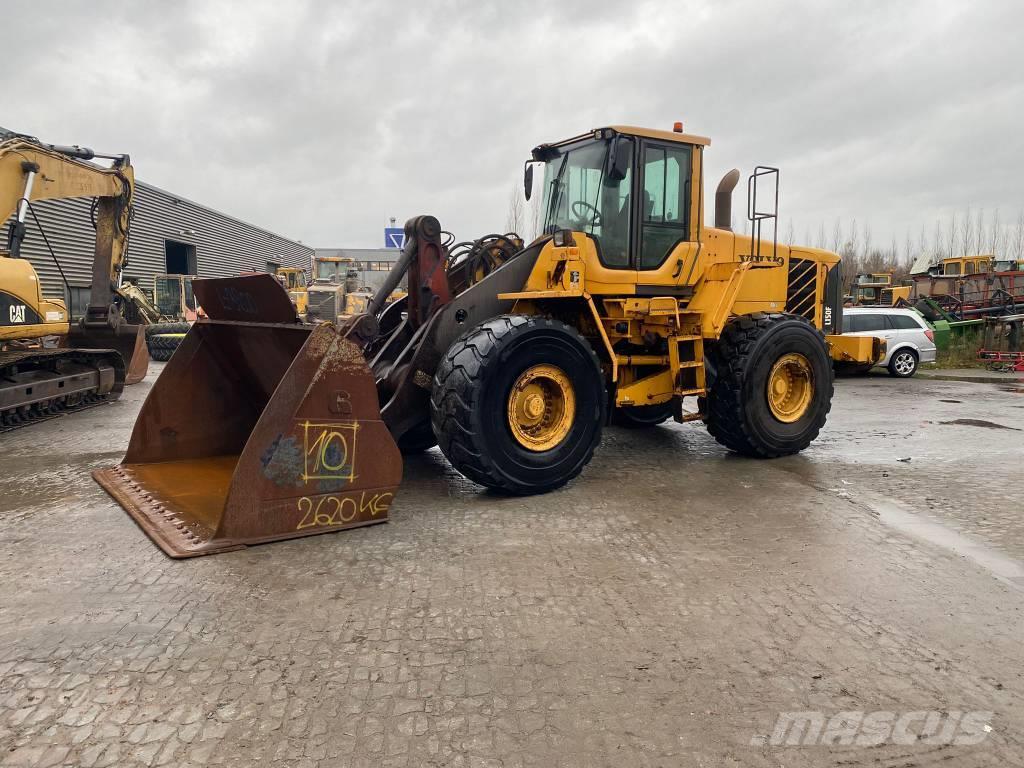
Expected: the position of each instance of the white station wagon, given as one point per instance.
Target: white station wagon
(909, 340)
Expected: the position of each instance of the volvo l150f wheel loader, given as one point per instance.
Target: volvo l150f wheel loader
(101, 353)
(510, 359)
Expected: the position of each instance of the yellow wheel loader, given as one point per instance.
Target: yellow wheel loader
(294, 281)
(97, 356)
(510, 359)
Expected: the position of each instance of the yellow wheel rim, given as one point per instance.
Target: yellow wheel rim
(541, 407)
(790, 387)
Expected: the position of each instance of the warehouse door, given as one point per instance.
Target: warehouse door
(180, 258)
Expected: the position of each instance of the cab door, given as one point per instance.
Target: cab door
(665, 243)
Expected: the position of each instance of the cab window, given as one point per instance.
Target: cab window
(579, 195)
(665, 207)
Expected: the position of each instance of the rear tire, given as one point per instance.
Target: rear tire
(903, 363)
(417, 440)
(162, 345)
(485, 377)
(642, 416)
(158, 328)
(740, 414)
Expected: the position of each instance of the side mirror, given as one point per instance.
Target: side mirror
(528, 180)
(618, 160)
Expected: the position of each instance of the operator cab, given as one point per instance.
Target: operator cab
(629, 189)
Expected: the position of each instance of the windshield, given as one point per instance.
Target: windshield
(327, 270)
(579, 196)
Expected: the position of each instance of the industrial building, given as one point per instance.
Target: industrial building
(169, 234)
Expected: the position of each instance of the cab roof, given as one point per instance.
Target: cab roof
(654, 133)
(540, 152)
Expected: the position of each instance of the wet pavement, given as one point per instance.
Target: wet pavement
(663, 610)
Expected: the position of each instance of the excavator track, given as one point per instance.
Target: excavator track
(40, 384)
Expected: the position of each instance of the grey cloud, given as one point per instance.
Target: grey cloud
(321, 119)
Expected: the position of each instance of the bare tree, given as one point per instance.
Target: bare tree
(837, 236)
(996, 236)
(951, 235)
(979, 233)
(536, 220)
(820, 242)
(966, 235)
(1017, 243)
(514, 219)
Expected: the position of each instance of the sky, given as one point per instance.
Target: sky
(320, 119)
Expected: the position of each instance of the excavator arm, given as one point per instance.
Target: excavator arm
(31, 170)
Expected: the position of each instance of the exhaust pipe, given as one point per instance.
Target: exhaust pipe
(723, 200)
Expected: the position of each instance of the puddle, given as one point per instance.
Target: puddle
(930, 530)
(978, 423)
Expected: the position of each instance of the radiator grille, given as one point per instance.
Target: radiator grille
(802, 287)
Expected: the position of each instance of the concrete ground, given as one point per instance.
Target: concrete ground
(972, 375)
(663, 610)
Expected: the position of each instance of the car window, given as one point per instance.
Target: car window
(869, 323)
(904, 322)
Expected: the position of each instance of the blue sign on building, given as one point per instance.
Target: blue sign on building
(394, 237)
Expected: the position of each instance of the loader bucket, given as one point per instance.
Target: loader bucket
(127, 339)
(258, 429)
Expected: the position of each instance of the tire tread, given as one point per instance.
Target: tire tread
(725, 416)
(457, 384)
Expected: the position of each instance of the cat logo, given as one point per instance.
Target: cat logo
(17, 313)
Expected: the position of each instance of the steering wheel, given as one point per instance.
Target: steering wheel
(589, 212)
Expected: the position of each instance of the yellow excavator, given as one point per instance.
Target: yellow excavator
(511, 359)
(47, 364)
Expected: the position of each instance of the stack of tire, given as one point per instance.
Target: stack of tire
(163, 338)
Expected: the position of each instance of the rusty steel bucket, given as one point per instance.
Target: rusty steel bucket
(128, 339)
(258, 429)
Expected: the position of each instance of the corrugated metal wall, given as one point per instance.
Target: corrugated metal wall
(224, 245)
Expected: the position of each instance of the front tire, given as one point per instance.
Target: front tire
(903, 363)
(773, 386)
(518, 404)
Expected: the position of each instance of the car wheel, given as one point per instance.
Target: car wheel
(903, 363)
